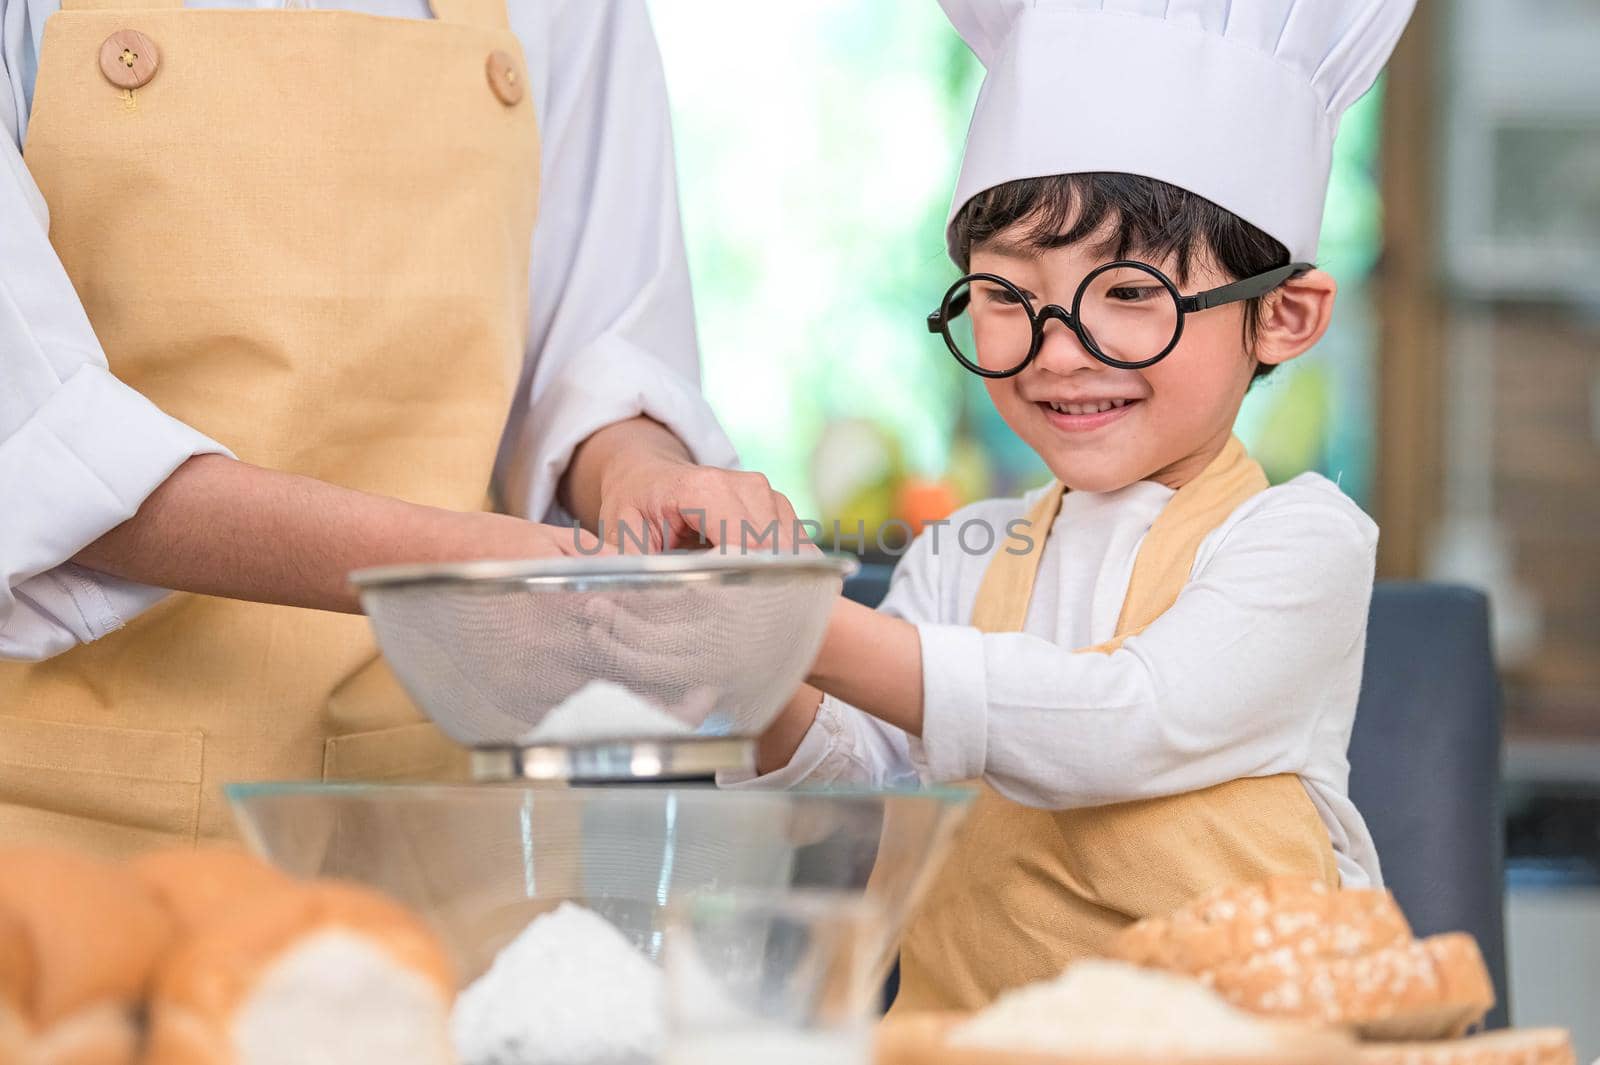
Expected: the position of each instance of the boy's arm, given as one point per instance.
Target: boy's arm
(873, 659)
(872, 655)
(783, 737)
(1229, 682)
(819, 740)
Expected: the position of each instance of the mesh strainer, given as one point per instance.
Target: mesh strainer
(712, 644)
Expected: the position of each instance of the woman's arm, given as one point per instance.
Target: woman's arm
(79, 450)
(610, 422)
(222, 527)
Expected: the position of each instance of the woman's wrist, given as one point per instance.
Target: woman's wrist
(612, 451)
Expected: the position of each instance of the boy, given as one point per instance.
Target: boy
(1155, 676)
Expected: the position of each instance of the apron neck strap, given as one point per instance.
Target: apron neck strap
(1161, 569)
(484, 14)
(1007, 586)
(1165, 557)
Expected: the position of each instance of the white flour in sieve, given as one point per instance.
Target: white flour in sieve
(570, 989)
(601, 711)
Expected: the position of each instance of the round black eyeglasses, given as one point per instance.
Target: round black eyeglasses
(1126, 313)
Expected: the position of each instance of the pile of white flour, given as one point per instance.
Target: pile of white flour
(602, 711)
(570, 990)
(1111, 1009)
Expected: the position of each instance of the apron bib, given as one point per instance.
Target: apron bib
(305, 233)
(1027, 891)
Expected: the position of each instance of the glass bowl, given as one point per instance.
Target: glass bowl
(482, 861)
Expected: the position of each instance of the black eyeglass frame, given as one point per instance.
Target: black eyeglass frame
(1233, 292)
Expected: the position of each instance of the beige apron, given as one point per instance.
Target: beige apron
(1029, 890)
(307, 235)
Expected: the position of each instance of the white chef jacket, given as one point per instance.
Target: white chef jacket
(611, 327)
(1254, 671)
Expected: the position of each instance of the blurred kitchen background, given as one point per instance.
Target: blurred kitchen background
(1457, 397)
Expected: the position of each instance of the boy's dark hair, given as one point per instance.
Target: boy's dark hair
(1149, 218)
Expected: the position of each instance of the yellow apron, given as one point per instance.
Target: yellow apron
(1029, 890)
(305, 233)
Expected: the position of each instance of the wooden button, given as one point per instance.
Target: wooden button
(129, 59)
(505, 77)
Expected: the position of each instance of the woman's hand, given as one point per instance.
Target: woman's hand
(635, 484)
(655, 506)
(482, 535)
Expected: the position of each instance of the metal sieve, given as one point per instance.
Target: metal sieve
(714, 644)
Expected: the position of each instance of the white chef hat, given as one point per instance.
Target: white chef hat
(1234, 100)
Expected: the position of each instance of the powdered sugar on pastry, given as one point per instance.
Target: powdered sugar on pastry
(337, 998)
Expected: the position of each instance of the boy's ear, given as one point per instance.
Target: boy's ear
(1294, 316)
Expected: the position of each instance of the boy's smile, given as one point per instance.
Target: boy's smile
(1082, 415)
(1099, 397)
(1098, 427)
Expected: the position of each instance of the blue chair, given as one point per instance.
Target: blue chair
(1424, 758)
(1425, 764)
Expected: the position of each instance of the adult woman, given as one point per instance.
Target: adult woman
(305, 238)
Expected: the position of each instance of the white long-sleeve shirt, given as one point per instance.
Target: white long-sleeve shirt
(611, 327)
(1253, 671)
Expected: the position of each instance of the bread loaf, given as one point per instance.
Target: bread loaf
(321, 974)
(1524, 1046)
(104, 1034)
(13, 1037)
(1302, 916)
(93, 936)
(1295, 949)
(16, 984)
(94, 932)
(199, 885)
(1433, 988)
